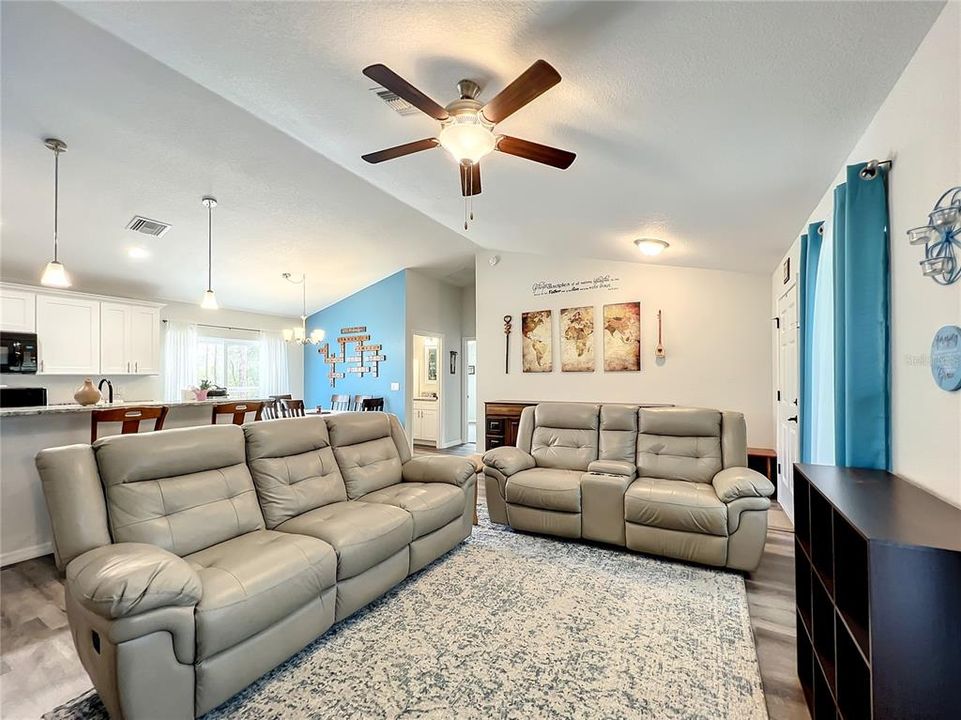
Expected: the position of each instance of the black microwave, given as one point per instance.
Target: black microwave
(18, 353)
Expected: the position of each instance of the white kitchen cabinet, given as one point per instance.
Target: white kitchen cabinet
(424, 424)
(114, 338)
(129, 339)
(68, 335)
(18, 310)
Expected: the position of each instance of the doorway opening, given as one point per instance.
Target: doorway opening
(426, 389)
(470, 390)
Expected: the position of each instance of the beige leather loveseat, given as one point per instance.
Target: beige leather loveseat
(667, 481)
(198, 559)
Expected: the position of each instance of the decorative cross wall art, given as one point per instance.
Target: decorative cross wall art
(365, 359)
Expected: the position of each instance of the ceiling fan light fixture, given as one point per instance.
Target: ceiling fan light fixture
(467, 137)
(651, 246)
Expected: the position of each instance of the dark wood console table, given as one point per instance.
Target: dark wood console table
(878, 581)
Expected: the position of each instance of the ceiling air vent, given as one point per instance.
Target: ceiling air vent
(155, 228)
(395, 102)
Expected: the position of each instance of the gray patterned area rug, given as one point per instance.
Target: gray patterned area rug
(519, 626)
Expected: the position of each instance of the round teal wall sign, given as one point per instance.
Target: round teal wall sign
(946, 357)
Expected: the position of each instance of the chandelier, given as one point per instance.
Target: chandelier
(299, 334)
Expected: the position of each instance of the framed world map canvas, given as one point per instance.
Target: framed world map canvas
(577, 339)
(622, 337)
(536, 355)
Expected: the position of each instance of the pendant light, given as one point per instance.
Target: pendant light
(210, 300)
(299, 334)
(54, 275)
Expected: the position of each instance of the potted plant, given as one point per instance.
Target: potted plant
(200, 393)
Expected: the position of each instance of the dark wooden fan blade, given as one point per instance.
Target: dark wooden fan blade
(534, 151)
(386, 77)
(537, 79)
(470, 183)
(401, 150)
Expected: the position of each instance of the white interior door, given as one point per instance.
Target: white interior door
(787, 397)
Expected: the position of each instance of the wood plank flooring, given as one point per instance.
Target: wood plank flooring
(39, 668)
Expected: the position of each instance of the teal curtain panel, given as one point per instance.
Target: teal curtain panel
(810, 261)
(861, 321)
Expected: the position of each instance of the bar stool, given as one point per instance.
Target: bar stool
(358, 403)
(340, 402)
(130, 417)
(372, 404)
(238, 410)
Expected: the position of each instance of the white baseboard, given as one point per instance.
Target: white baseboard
(28, 553)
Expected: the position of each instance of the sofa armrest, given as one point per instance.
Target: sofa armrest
(126, 579)
(509, 460)
(740, 482)
(439, 468)
(612, 467)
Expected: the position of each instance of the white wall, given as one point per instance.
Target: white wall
(918, 127)
(469, 311)
(717, 335)
(434, 308)
(60, 388)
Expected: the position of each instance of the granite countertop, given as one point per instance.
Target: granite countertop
(74, 408)
(425, 399)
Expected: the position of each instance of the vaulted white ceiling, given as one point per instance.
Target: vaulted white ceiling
(716, 126)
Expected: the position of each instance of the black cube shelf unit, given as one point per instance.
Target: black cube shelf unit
(878, 581)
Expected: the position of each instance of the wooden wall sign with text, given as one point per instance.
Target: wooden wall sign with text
(364, 360)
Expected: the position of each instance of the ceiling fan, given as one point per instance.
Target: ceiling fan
(467, 125)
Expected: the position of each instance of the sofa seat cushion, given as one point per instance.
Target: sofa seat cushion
(254, 581)
(362, 534)
(546, 488)
(675, 505)
(431, 505)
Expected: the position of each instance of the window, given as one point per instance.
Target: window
(230, 363)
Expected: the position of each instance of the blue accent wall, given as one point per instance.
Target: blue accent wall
(382, 309)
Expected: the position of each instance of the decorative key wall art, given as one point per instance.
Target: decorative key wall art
(365, 358)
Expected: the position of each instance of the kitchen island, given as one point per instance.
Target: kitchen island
(24, 525)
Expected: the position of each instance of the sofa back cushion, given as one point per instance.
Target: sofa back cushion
(679, 443)
(618, 433)
(182, 490)
(293, 467)
(365, 451)
(565, 435)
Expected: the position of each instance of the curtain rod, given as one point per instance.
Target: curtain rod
(225, 327)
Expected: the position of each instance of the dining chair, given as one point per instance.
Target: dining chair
(358, 402)
(270, 410)
(373, 404)
(238, 410)
(293, 408)
(340, 402)
(129, 417)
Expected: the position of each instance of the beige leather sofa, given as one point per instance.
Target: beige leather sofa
(666, 481)
(198, 559)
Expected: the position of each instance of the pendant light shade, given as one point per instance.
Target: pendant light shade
(209, 301)
(55, 275)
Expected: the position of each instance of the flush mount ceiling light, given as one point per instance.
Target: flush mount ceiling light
(651, 246)
(54, 274)
(467, 125)
(299, 334)
(209, 301)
